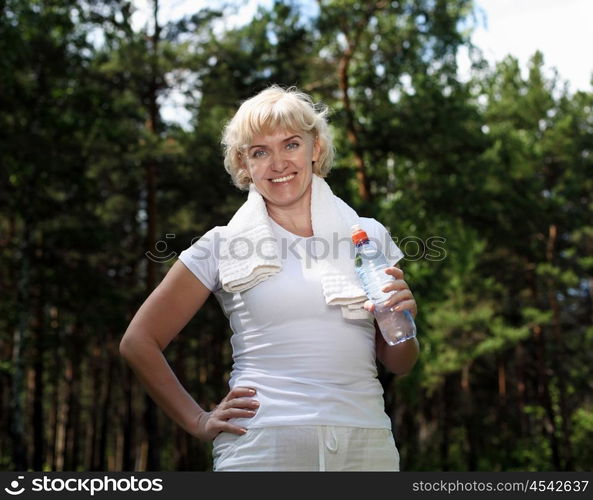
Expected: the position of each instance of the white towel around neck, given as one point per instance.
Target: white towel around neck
(249, 255)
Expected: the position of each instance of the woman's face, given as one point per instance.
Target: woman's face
(280, 163)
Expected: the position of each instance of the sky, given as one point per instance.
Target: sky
(560, 29)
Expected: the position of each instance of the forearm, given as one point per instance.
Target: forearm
(399, 358)
(150, 366)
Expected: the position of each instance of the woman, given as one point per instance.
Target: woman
(304, 393)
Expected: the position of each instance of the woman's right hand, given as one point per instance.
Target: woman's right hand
(238, 403)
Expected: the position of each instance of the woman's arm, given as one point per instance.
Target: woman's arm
(160, 318)
(399, 358)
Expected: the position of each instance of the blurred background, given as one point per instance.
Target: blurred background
(110, 164)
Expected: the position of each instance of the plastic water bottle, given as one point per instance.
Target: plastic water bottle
(396, 326)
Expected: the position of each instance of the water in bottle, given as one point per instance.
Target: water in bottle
(395, 326)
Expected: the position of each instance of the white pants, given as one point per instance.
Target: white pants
(306, 448)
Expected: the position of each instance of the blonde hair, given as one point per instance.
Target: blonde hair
(276, 108)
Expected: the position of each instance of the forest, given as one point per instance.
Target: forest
(99, 193)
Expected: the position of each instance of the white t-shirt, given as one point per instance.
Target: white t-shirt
(309, 365)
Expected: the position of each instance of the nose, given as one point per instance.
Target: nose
(278, 161)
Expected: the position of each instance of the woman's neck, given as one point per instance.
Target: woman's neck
(296, 220)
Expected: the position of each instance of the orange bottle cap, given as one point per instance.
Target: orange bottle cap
(358, 235)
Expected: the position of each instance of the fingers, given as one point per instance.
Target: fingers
(399, 301)
(401, 293)
(238, 392)
(238, 403)
(395, 271)
(236, 413)
(402, 297)
(246, 403)
(398, 298)
(407, 305)
(240, 397)
(217, 426)
(233, 429)
(395, 285)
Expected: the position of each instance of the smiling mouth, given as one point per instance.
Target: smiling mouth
(280, 180)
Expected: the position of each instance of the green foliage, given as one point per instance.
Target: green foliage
(486, 186)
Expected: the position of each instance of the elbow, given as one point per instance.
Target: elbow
(401, 368)
(134, 344)
(400, 359)
(124, 347)
(127, 346)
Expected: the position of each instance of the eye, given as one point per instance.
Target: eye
(259, 153)
(291, 146)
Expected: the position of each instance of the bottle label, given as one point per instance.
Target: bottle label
(358, 260)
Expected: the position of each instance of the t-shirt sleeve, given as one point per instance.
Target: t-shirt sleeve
(202, 258)
(385, 242)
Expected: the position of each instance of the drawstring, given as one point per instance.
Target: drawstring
(330, 442)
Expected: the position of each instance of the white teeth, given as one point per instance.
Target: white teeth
(283, 179)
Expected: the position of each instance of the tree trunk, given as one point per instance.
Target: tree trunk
(558, 357)
(521, 389)
(150, 416)
(445, 423)
(470, 420)
(545, 398)
(64, 396)
(351, 127)
(38, 336)
(95, 425)
(72, 445)
(128, 424)
(502, 382)
(17, 414)
(352, 34)
(73, 429)
(89, 433)
(74, 439)
(543, 383)
(591, 301)
(181, 451)
(129, 421)
(106, 408)
(502, 410)
(51, 421)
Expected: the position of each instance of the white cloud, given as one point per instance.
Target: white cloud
(560, 29)
(176, 9)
